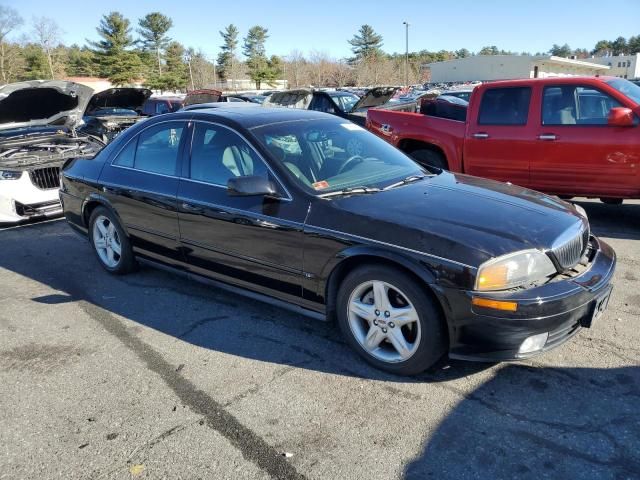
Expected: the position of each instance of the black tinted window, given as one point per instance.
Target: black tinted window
(158, 148)
(127, 155)
(505, 106)
(572, 105)
(218, 154)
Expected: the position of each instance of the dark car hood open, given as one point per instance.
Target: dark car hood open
(202, 96)
(43, 102)
(130, 98)
(374, 98)
(457, 217)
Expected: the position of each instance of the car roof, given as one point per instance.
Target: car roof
(257, 117)
(554, 80)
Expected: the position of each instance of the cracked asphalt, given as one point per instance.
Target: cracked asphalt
(154, 376)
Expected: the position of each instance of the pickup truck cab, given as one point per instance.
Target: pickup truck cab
(573, 136)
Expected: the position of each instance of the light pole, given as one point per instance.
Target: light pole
(406, 54)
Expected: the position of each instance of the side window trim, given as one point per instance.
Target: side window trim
(187, 157)
(181, 149)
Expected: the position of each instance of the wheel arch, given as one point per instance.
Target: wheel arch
(409, 145)
(94, 201)
(359, 256)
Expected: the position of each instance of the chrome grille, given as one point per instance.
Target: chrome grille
(45, 178)
(570, 247)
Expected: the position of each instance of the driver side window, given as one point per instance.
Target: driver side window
(218, 154)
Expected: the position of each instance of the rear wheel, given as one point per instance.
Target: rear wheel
(390, 321)
(429, 158)
(110, 243)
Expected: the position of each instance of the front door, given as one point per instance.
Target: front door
(498, 143)
(253, 242)
(582, 154)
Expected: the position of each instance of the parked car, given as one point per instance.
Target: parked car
(161, 105)
(111, 111)
(209, 95)
(205, 106)
(569, 136)
(413, 263)
(38, 133)
(341, 103)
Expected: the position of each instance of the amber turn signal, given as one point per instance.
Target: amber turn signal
(495, 304)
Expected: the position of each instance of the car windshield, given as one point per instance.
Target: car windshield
(330, 155)
(116, 111)
(344, 101)
(627, 88)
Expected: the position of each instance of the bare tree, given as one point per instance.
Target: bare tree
(295, 67)
(47, 34)
(9, 21)
(342, 73)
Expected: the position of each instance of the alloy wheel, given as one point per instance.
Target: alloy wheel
(107, 241)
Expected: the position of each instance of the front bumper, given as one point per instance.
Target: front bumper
(21, 200)
(559, 308)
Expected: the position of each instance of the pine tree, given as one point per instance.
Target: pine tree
(260, 69)
(366, 42)
(117, 61)
(228, 51)
(153, 30)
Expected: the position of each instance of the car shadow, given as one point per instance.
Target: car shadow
(613, 221)
(201, 315)
(539, 422)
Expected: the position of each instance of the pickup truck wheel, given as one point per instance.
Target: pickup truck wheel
(390, 320)
(611, 201)
(429, 158)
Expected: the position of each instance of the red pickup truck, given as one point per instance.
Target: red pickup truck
(574, 136)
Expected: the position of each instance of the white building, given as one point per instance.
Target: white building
(507, 67)
(623, 66)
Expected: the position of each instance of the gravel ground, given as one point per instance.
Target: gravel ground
(154, 376)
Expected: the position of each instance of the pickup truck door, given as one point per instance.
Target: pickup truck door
(582, 154)
(498, 142)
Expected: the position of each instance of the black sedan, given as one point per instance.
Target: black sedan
(412, 264)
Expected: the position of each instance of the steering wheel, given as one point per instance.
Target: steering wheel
(350, 163)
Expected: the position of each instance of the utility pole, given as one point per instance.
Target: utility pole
(406, 54)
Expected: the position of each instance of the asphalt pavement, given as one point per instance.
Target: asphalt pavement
(154, 376)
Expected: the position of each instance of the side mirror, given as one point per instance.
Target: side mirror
(620, 117)
(251, 186)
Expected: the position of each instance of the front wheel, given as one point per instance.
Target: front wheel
(390, 320)
(110, 243)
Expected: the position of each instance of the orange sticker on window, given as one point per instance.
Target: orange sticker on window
(321, 185)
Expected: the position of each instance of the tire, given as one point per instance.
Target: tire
(611, 201)
(118, 263)
(425, 338)
(429, 158)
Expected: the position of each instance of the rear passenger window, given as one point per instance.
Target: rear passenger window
(127, 155)
(505, 106)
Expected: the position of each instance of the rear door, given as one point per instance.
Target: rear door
(498, 142)
(582, 154)
(142, 183)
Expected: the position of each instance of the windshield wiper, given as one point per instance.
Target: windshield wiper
(350, 191)
(404, 181)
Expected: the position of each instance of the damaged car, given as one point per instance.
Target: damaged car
(341, 103)
(113, 110)
(38, 133)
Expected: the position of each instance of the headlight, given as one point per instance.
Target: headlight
(514, 270)
(9, 175)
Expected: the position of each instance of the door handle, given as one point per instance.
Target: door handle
(549, 137)
(481, 135)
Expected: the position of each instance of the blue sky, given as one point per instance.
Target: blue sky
(326, 25)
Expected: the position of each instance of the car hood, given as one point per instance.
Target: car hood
(129, 98)
(202, 96)
(300, 98)
(374, 98)
(43, 102)
(465, 219)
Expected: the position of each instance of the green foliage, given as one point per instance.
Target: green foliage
(80, 62)
(561, 50)
(228, 50)
(153, 32)
(35, 63)
(260, 69)
(366, 42)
